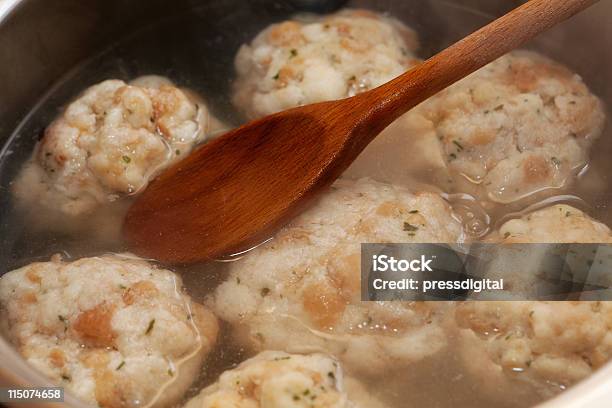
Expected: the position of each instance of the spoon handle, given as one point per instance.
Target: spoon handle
(464, 57)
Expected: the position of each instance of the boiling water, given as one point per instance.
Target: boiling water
(199, 56)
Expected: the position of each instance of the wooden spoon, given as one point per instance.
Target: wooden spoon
(235, 191)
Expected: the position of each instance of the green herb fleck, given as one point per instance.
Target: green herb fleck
(62, 318)
(177, 151)
(265, 292)
(331, 375)
(555, 161)
(66, 377)
(452, 156)
(150, 326)
(294, 52)
(170, 372)
(275, 77)
(413, 212)
(459, 146)
(120, 366)
(126, 159)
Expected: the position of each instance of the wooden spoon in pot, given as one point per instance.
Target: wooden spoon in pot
(235, 191)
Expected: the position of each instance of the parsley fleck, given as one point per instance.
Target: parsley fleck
(150, 326)
(459, 146)
(120, 366)
(126, 159)
(294, 52)
(275, 77)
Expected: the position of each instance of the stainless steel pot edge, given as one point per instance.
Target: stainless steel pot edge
(593, 392)
(6, 6)
(23, 374)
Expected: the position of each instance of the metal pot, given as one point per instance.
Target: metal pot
(49, 49)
